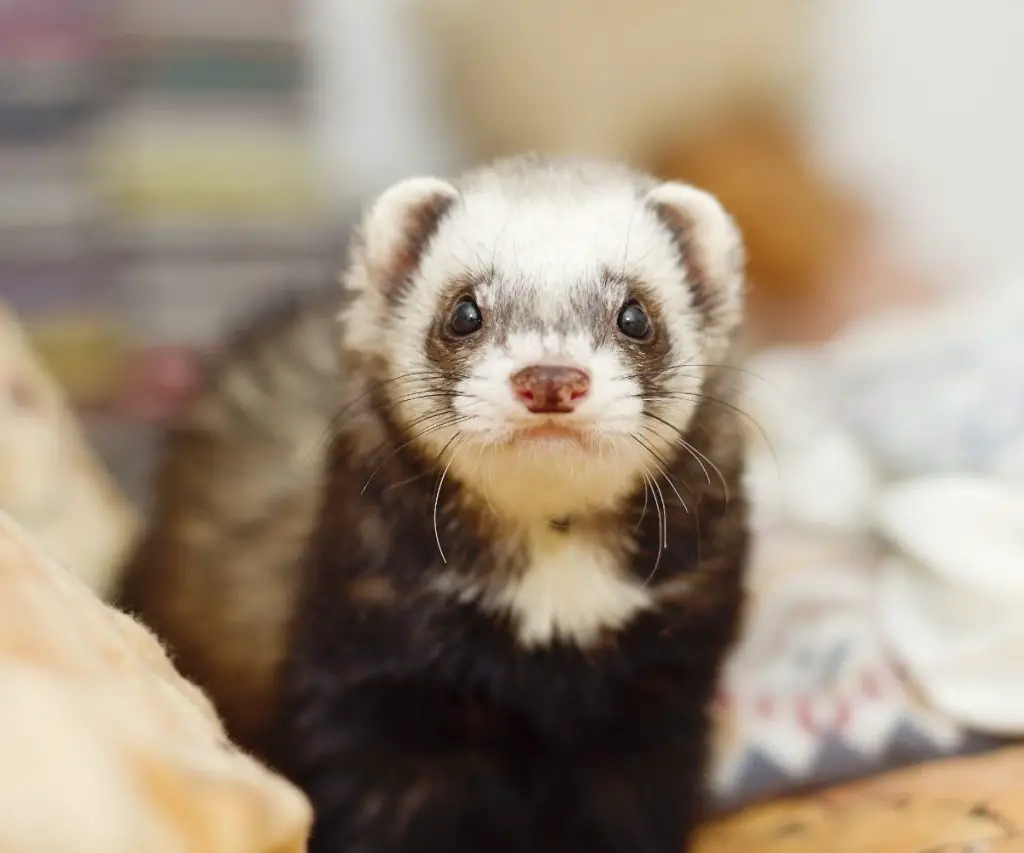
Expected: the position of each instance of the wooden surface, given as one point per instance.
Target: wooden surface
(966, 805)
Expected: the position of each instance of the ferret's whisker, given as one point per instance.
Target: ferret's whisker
(676, 370)
(437, 498)
(643, 510)
(662, 524)
(335, 420)
(423, 473)
(662, 468)
(693, 451)
(454, 421)
(699, 397)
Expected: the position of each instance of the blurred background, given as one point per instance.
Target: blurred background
(166, 164)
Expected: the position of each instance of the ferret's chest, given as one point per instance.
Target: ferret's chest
(554, 640)
(570, 587)
(562, 587)
(567, 655)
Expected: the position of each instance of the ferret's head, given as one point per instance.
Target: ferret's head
(542, 330)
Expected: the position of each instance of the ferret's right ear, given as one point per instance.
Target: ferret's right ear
(397, 228)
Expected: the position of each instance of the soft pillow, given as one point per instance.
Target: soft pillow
(51, 481)
(106, 748)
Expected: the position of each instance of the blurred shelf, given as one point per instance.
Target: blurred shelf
(190, 301)
(171, 237)
(208, 68)
(49, 68)
(46, 204)
(64, 158)
(45, 289)
(225, 20)
(158, 181)
(25, 250)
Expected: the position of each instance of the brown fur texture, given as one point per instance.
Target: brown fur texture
(236, 495)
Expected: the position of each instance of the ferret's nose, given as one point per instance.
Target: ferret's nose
(550, 388)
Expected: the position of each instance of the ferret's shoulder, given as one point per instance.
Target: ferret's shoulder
(291, 317)
(279, 363)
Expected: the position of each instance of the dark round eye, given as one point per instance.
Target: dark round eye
(634, 323)
(465, 318)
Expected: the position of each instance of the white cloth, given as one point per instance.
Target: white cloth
(940, 391)
(951, 599)
(910, 432)
(812, 694)
(805, 466)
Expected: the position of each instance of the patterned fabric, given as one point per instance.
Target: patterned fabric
(813, 694)
(961, 805)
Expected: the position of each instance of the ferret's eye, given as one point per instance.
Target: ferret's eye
(465, 318)
(634, 323)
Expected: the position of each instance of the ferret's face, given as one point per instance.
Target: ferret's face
(548, 345)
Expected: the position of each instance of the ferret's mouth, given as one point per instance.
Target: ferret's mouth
(549, 431)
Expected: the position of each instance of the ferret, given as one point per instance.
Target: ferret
(524, 562)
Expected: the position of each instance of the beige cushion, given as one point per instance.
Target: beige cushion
(50, 479)
(105, 747)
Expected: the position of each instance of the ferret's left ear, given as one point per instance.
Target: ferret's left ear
(710, 246)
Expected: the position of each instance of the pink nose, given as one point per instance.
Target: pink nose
(550, 388)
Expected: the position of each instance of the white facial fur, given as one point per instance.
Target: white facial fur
(549, 253)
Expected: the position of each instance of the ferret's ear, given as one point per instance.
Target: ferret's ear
(398, 227)
(710, 246)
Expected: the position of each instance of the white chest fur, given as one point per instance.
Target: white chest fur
(572, 587)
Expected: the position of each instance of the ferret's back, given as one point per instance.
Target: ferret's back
(236, 492)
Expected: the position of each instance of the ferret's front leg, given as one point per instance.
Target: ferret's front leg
(375, 790)
(379, 785)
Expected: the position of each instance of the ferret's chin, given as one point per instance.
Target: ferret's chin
(549, 437)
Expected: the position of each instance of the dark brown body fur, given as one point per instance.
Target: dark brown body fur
(236, 495)
(419, 724)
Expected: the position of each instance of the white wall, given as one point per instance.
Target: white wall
(922, 102)
(367, 136)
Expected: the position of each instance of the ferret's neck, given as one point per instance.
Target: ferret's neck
(557, 503)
